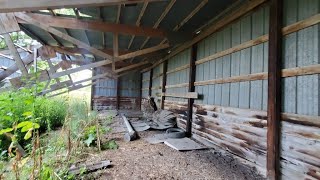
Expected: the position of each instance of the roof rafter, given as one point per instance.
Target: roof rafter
(73, 23)
(33, 5)
(163, 15)
(63, 36)
(187, 18)
(138, 22)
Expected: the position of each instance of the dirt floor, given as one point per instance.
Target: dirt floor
(141, 160)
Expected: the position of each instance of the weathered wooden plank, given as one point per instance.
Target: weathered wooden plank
(274, 89)
(291, 72)
(58, 33)
(33, 5)
(15, 54)
(9, 23)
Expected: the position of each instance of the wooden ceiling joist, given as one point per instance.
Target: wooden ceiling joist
(143, 51)
(186, 19)
(74, 23)
(74, 51)
(33, 5)
(138, 22)
(132, 66)
(162, 16)
(58, 33)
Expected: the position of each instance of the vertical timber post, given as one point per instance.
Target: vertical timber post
(118, 93)
(92, 90)
(164, 82)
(274, 89)
(140, 91)
(192, 75)
(150, 82)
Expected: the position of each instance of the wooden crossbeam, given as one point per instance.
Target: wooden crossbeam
(63, 36)
(15, 54)
(33, 5)
(143, 51)
(74, 23)
(74, 50)
(138, 22)
(100, 76)
(188, 17)
(162, 16)
(132, 66)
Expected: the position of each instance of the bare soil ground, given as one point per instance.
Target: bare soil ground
(141, 160)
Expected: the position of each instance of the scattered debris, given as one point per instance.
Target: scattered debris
(162, 119)
(131, 134)
(184, 144)
(89, 167)
(140, 126)
(172, 133)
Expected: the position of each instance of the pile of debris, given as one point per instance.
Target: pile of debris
(154, 118)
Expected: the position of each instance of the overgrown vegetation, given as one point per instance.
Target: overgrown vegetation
(42, 137)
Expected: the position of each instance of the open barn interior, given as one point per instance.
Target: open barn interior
(240, 78)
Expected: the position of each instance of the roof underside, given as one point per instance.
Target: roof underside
(129, 15)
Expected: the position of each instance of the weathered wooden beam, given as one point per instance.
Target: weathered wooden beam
(12, 69)
(144, 51)
(133, 66)
(58, 33)
(33, 5)
(15, 54)
(164, 82)
(291, 72)
(192, 75)
(115, 49)
(73, 89)
(150, 83)
(162, 16)
(138, 22)
(81, 68)
(231, 17)
(274, 89)
(99, 76)
(118, 94)
(73, 23)
(188, 95)
(74, 50)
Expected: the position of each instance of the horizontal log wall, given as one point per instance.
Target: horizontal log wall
(231, 78)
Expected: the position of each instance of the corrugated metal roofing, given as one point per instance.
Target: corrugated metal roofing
(129, 15)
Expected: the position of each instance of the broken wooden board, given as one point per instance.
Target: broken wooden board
(89, 167)
(184, 144)
(47, 52)
(29, 79)
(160, 138)
(140, 126)
(9, 23)
(65, 64)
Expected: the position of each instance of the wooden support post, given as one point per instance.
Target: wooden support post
(92, 90)
(164, 82)
(140, 92)
(118, 93)
(274, 89)
(192, 75)
(150, 82)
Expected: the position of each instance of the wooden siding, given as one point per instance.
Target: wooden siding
(231, 114)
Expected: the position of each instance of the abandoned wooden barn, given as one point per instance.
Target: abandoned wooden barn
(242, 76)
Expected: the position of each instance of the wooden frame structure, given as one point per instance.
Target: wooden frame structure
(120, 61)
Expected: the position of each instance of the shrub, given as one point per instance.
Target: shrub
(21, 105)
